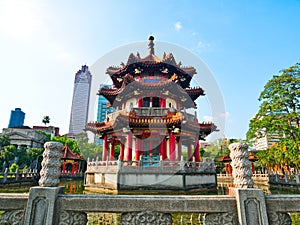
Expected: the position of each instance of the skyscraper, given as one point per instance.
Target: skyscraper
(103, 105)
(17, 117)
(80, 102)
(102, 110)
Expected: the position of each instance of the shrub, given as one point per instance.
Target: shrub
(13, 168)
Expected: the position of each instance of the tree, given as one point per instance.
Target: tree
(88, 150)
(8, 154)
(71, 143)
(279, 115)
(279, 109)
(4, 141)
(46, 120)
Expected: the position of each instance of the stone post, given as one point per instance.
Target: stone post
(251, 205)
(297, 177)
(241, 165)
(5, 175)
(51, 165)
(286, 177)
(41, 207)
(17, 174)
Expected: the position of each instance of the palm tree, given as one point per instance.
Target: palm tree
(46, 120)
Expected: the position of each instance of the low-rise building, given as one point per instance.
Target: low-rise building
(24, 136)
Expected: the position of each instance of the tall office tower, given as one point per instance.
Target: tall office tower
(17, 117)
(103, 109)
(80, 102)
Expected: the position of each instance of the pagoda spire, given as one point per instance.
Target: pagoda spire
(151, 45)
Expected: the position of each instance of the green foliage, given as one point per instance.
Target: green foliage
(13, 168)
(4, 141)
(22, 155)
(88, 150)
(117, 152)
(33, 153)
(71, 143)
(8, 153)
(48, 136)
(202, 151)
(279, 115)
(25, 156)
(279, 109)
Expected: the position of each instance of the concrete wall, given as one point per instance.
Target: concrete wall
(154, 181)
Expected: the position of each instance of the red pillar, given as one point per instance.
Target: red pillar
(179, 149)
(64, 166)
(112, 151)
(150, 146)
(190, 152)
(76, 167)
(140, 102)
(226, 168)
(172, 146)
(162, 103)
(196, 150)
(105, 148)
(253, 169)
(163, 149)
(129, 147)
(138, 148)
(121, 150)
(72, 171)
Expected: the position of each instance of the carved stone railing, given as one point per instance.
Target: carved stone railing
(217, 208)
(17, 177)
(159, 166)
(49, 205)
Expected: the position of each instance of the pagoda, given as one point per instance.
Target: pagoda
(152, 124)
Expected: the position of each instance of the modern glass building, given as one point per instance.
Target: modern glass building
(80, 102)
(17, 117)
(103, 109)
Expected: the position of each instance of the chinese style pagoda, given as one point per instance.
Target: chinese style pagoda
(152, 126)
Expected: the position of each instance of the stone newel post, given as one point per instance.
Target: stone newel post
(251, 205)
(241, 165)
(42, 207)
(51, 164)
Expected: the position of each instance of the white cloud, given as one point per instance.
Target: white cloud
(201, 44)
(178, 26)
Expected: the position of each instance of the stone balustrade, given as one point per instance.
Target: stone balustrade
(159, 166)
(243, 206)
(7, 178)
(217, 208)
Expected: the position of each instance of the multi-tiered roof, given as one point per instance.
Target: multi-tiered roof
(152, 76)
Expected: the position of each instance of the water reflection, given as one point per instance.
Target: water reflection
(73, 186)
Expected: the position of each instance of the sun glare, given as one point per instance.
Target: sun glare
(19, 19)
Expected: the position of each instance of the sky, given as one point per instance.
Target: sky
(44, 43)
